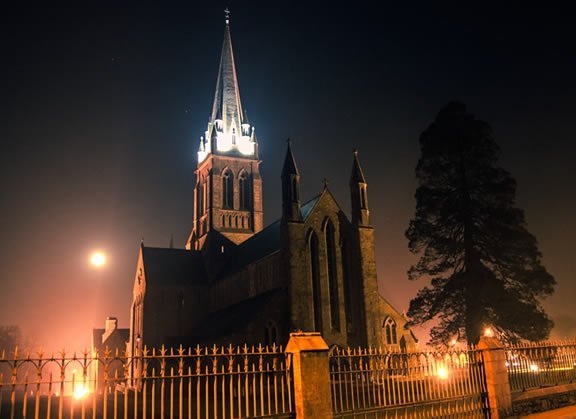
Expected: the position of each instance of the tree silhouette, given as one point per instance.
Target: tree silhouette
(483, 265)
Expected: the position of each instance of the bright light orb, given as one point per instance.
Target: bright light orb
(80, 392)
(488, 332)
(98, 259)
(442, 373)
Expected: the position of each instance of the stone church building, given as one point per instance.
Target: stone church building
(314, 269)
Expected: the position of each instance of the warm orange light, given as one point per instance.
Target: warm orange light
(98, 259)
(442, 373)
(488, 332)
(80, 392)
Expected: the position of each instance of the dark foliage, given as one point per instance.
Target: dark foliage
(484, 266)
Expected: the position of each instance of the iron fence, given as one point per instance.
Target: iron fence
(543, 364)
(399, 384)
(217, 382)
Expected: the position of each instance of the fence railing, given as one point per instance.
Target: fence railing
(537, 365)
(217, 382)
(420, 384)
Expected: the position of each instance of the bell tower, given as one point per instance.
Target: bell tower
(228, 190)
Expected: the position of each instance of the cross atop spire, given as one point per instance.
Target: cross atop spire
(227, 15)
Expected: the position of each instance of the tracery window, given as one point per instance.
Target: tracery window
(390, 331)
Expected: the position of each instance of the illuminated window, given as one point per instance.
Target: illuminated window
(390, 331)
(227, 189)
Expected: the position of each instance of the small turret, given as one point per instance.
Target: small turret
(290, 188)
(359, 195)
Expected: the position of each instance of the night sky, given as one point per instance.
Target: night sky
(102, 108)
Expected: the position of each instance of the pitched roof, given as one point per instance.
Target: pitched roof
(256, 247)
(307, 208)
(97, 335)
(264, 243)
(173, 266)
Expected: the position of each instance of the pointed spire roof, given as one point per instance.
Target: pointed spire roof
(357, 174)
(289, 167)
(227, 105)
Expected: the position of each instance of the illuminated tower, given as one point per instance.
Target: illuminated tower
(228, 191)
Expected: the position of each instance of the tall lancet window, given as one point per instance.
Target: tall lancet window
(314, 273)
(390, 331)
(244, 187)
(227, 189)
(233, 135)
(332, 275)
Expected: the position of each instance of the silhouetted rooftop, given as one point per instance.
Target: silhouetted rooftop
(173, 266)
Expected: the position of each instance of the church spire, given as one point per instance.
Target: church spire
(290, 187)
(228, 190)
(229, 132)
(227, 106)
(358, 194)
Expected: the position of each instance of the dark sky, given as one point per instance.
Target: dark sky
(102, 108)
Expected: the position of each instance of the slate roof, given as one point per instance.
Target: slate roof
(307, 208)
(173, 266)
(264, 243)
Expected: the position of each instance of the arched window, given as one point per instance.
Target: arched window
(390, 331)
(332, 275)
(227, 189)
(244, 191)
(314, 270)
(363, 197)
(233, 135)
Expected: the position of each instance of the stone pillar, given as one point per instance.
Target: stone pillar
(311, 373)
(496, 377)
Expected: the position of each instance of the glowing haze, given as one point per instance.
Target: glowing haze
(102, 110)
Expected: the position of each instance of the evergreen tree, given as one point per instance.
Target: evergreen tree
(484, 266)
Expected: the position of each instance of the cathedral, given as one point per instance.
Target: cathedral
(314, 269)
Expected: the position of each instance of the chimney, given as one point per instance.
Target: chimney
(111, 326)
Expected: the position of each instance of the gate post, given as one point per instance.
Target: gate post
(499, 395)
(311, 372)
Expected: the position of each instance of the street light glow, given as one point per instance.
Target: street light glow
(98, 259)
